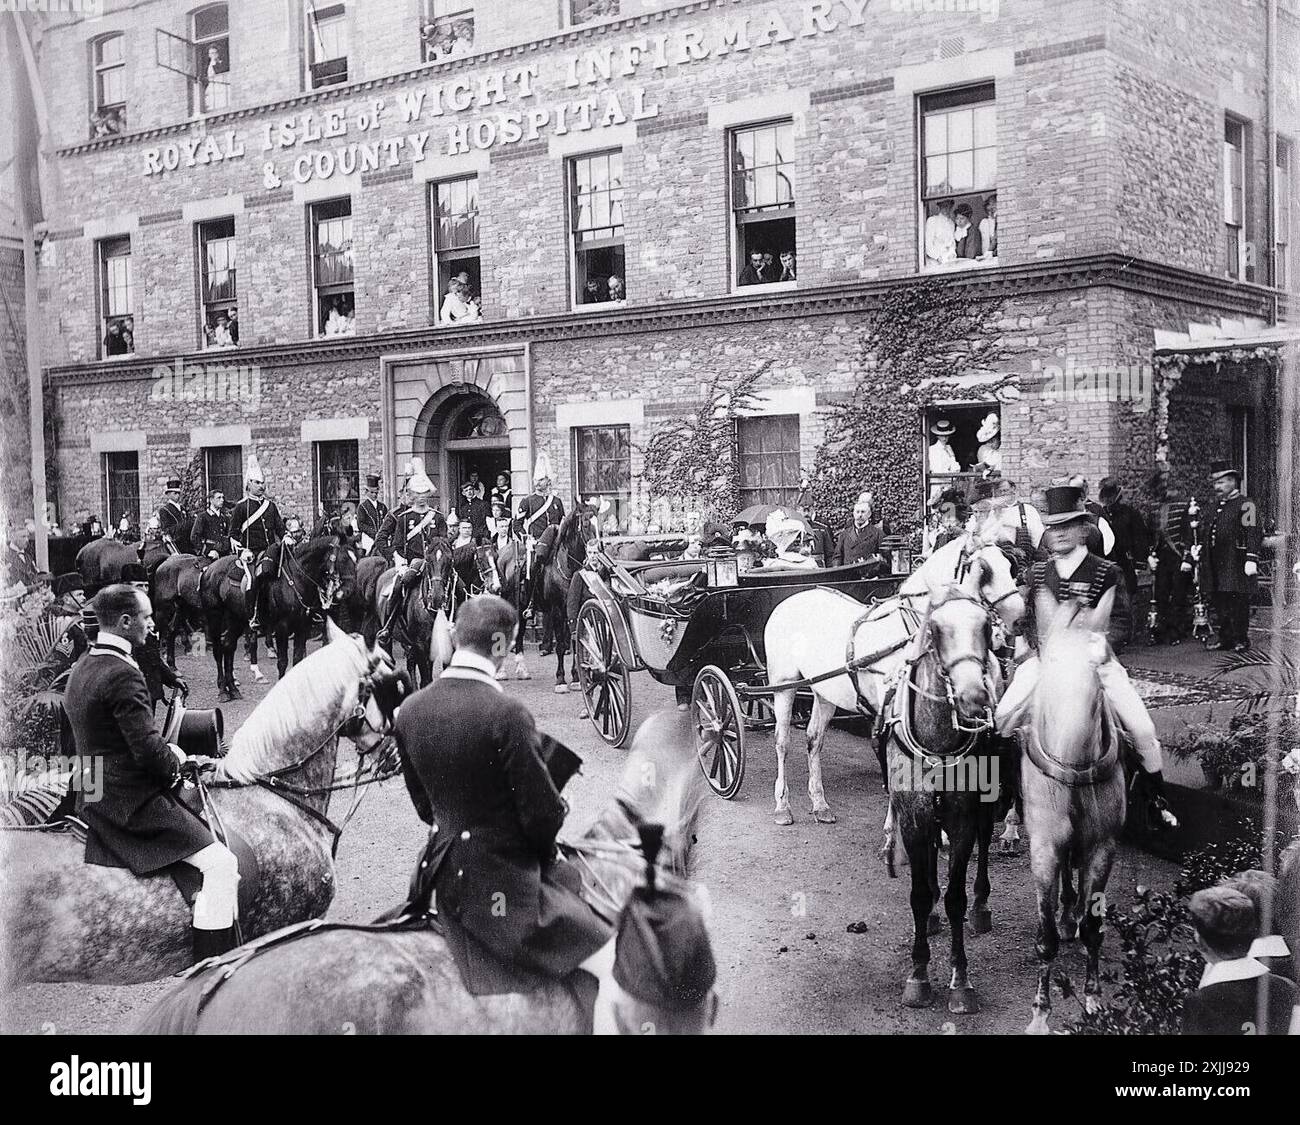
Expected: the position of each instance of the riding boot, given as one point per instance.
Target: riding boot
(1160, 817)
(385, 635)
(255, 598)
(212, 943)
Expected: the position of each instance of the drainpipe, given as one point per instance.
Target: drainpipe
(1270, 145)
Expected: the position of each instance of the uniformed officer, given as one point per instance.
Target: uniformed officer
(1170, 560)
(538, 510)
(1072, 573)
(370, 512)
(172, 524)
(1234, 544)
(413, 530)
(138, 822)
(210, 535)
(256, 524)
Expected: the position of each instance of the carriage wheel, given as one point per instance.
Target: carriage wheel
(719, 731)
(604, 678)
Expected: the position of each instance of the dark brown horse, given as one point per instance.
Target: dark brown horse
(944, 775)
(512, 565)
(100, 562)
(423, 619)
(561, 552)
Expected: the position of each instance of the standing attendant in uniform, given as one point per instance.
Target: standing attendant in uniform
(210, 535)
(172, 522)
(370, 513)
(539, 510)
(255, 525)
(413, 529)
(1235, 540)
(1170, 560)
(138, 822)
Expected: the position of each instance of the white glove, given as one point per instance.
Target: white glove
(1152, 562)
(1196, 552)
(213, 555)
(1251, 569)
(1186, 568)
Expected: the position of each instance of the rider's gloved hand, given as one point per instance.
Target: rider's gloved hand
(213, 555)
(1152, 562)
(182, 687)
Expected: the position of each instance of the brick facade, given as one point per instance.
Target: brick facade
(1109, 136)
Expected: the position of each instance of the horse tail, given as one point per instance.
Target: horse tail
(440, 646)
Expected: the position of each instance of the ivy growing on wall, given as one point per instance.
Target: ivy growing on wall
(922, 341)
(194, 497)
(690, 462)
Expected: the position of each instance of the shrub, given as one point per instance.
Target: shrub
(1236, 756)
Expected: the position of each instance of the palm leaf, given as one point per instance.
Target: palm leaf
(1281, 670)
(34, 642)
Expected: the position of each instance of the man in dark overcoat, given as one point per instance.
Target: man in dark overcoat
(1235, 538)
(138, 822)
(470, 755)
(861, 541)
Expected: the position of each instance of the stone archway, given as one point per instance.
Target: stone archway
(461, 430)
(427, 396)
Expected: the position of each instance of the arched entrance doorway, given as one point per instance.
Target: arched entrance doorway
(464, 433)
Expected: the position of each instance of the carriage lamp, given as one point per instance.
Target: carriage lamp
(723, 568)
(745, 561)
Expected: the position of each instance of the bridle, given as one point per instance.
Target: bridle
(325, 594)
(926, 646)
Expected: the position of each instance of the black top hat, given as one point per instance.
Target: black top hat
(372, 480)
(943, 428)
(173, 484)
(1064, 505)
(984, 489)
(66, 583)
(1223, 469)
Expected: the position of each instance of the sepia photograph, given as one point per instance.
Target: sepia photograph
(762, 518)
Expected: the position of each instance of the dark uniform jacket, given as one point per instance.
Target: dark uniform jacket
(1086, 586)
(477, 512)
(157, 675)
(473, 768)
(1171, 532)
(210, 533)
(370, 516)
(1234, 539)
(138, 822)
(406, 532)
(266, 529)
(1132, 540)
(852, 545)
(537, 513)
(1231, 1007)
(173, 524)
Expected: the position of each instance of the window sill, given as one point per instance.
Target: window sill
(772, 287)
(960, 265)
(122, 355)
(220, 347)
(463, 322)
(600, 306)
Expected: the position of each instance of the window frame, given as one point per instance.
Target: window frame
(319, 450)
(436, 14)
(98, 68)
(1235, 270)
(107, 471)
(1284, 210)
(946, 101)
(759, 213)
(104, 289)
(571, 20)
(445, 256)
(208, 307)
(332, 289)
(311, 36)
(751, 494)
(232, 495)
(617, 243)
(621, 499)
(198, 96)
(977, 410)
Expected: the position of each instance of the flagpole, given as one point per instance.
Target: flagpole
(35, 391)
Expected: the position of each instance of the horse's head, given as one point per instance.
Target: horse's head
(1071, 647)
(998, 585)
(381, 688)
(959, 631)
(489, 578)
(341, 580)
(437, 566)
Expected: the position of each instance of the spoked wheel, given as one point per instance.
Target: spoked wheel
(719, 731)
(604, 677)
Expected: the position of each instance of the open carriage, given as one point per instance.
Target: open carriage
(697, 625)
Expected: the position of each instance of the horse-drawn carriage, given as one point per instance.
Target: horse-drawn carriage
(697, 625)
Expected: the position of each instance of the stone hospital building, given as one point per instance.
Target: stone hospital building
(261, 210)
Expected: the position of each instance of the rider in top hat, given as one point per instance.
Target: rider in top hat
(413, 529)
(1073, 574)
(255, 524)
(539, 510)
(370, 512)
(138, 822)
(172, 524)
(1235, 541)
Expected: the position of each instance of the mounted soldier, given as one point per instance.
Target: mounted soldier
(210, 535)
(1235, 541)
(255, 526)
(1074, 574)
(138, 822)
(173, 524)
(413, 529)
(538, 510)
(371, 513)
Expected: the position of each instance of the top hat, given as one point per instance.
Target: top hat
(984, 490)
(372, 480)
(1064, 505)
(173, 484)
(1223, 469)
(195, 732)
(561, 762)
(989, 428)
(943, 428)
(66, 584)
